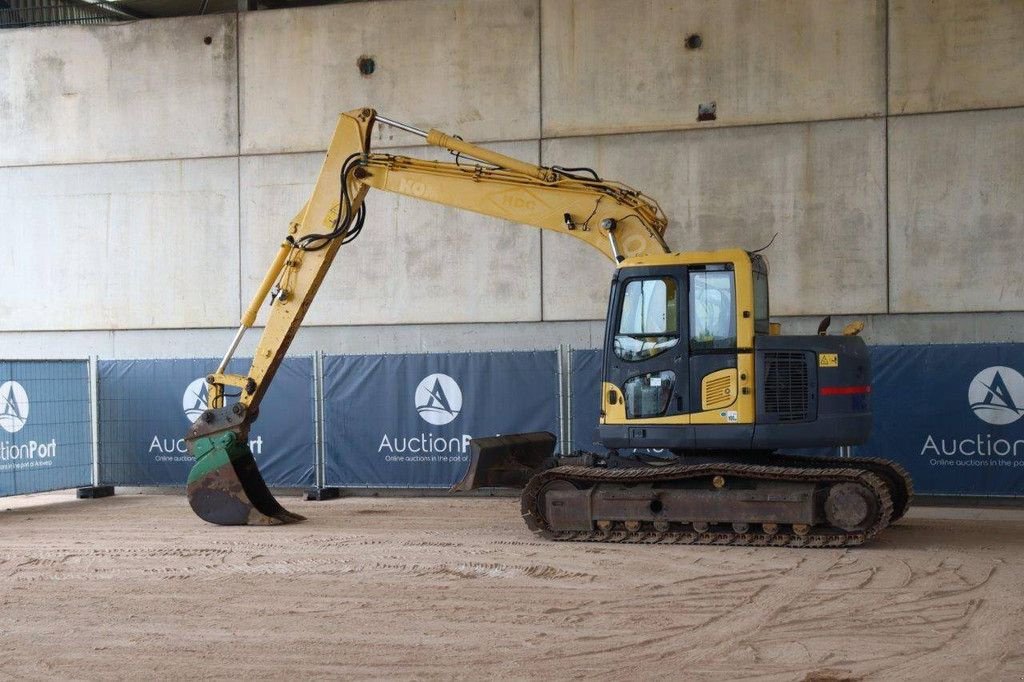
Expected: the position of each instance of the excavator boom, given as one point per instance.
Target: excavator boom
(225, 485)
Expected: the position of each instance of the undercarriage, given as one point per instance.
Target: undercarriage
(775, 500)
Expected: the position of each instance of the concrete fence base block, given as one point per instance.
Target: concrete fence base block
(94, 492)
(322, 494)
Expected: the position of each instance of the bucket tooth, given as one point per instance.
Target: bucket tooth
(225, 486)
(505, 461)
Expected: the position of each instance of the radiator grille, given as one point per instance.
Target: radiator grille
(785, 386)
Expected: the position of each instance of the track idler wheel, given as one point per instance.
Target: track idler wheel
(225, 486)
(850, 506)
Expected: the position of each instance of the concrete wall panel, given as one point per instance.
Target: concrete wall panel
(957, 211)
(414, 261)
(142, 90)
(819, 185)
(612, 67)
(466, 67)
(120, 246)
(955, 54)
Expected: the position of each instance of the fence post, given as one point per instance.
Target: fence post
(562, 432)
(568, 401)
(319, 491)
(318, 442)
(95, 490)
(94, 418)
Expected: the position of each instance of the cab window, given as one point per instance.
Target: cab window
(648, 395)
(712, 309)
(649, 323)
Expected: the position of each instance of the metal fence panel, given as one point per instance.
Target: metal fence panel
(406, 420)
(45, 426)
(146, 406)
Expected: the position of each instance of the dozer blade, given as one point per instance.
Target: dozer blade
(225, 486)
(505, 461)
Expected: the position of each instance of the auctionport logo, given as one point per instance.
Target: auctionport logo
(194, 401)
(996, 394)
(438, 399)
(13, 406)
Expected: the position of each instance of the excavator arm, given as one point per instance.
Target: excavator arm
(225, 485)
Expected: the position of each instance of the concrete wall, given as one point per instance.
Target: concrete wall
(413, 263)
(152, 90)
(818, 185)
(104, 246)
(949, 55)
(147, 170)
(957, 211)
(448, 64)
(611, 66)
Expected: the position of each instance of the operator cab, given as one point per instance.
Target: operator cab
(691, 363)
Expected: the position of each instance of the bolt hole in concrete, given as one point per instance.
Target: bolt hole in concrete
(693, 41)
(706, 112)
(366, 65)
(207, 40)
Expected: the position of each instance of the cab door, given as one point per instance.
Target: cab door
(714, 353)
(646, 351)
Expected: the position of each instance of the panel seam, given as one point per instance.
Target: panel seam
(540, 142)
(887, 197)
(238, 146)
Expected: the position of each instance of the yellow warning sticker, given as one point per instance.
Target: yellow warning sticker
(828, 360)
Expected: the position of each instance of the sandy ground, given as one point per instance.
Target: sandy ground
(136, 586)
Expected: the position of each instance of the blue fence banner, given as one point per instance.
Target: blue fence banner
(406, 420)
(951, 414)
(45, 426)
(146, 406)
(585, 392)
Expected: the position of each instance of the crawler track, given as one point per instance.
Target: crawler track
(720, 534)
(901, 487)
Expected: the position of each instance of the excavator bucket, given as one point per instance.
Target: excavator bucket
(225, 486)
(506, 461)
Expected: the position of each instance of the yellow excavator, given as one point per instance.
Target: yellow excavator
(692, 367)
